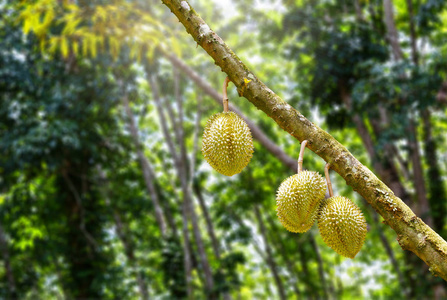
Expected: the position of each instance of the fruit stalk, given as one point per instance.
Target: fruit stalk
(328, 179)
(224, 94)
(301, 157)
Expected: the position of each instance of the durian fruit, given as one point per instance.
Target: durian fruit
(227, 144)
(342, 226)
(298, 199)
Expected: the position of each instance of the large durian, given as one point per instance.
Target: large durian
(298, 199)
(342, 226)
(227, 143)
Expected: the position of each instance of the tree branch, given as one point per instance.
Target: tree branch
(413, 233)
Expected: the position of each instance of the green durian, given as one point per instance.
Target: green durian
(227, 144)
(342, 226)
(298, 199)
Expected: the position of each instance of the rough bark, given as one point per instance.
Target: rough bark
(270, 258)
(256, 132)
(146, 168)
(413, 234)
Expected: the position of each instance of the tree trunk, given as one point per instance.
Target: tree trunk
(185, 205)
(123, 235)
(320, 266)
(391, 29)
(311, 289)
(209, 223)
(384, 167)
(270, 258)
(146, 168)
(419, 181)
(413, 234)
(181, 160)
(12, 290)
(286, 258)
(389, 251)
(186, 189)
(438, 196)
(413, 39)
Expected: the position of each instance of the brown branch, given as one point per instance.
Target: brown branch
(413, 234)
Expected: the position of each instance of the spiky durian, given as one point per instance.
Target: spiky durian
(298, 199)
(227, 143)
(342, 226)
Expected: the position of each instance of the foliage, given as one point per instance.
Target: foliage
(76, 213)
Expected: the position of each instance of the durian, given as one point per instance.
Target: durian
(342, 226)
(227, 144)
(298, 199)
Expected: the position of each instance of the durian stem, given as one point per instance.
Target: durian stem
(328, 180)
(224, 93)
(300, 158)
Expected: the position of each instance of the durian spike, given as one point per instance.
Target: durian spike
(224, 93)
(328, 179)
(300, 158)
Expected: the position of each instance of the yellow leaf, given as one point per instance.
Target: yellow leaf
(53, 44)
(84, 47)
(114, 47)
(64, 47)
(176, 47)
(49, 16)
(133, 50)
(93, 46)
(26, 26)
(75, 46)
(150, 53)
(42, 45)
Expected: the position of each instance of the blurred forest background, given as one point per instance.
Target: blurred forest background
(104, 193)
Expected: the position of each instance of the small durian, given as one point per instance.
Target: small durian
(298, 199)
(342, 226)
(227, 143)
